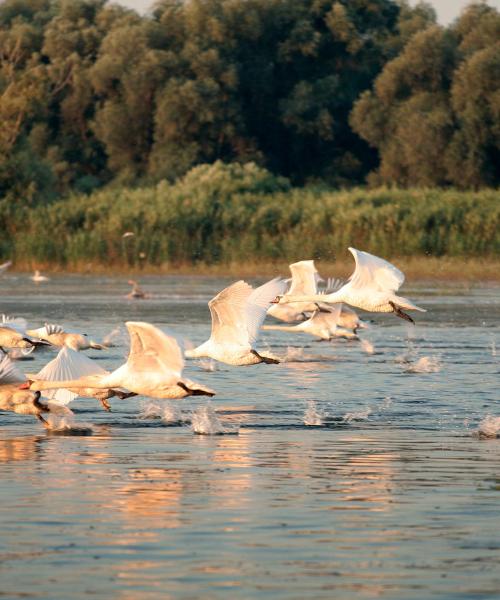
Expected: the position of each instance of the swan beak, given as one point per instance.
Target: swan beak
(25, 385)
(276, 300)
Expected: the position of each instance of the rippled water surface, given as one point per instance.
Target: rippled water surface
(390, 492)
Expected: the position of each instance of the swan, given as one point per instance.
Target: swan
(153, 368)
(55, 335)
(13, 338)
(371, 287)
(305, 279)
(136, 293)
(237, 313)
(23, 401)
(37, 277)
(70, 364)
(322, 324)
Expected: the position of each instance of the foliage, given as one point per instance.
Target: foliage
(242, 213)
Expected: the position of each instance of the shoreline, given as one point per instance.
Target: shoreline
(456, 270)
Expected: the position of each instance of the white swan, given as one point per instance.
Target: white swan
(305, 280)
(37, 277)
(70, 364)
(55, 335)
(11, 337)
(153, 368)
(371, 287)
(322, 324)
(22, 401)
(237, 315)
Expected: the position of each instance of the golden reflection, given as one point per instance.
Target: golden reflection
(153, 494)
(21, 448)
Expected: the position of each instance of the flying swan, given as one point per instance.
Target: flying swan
(237, 315)
(371, 287)
(153, 368)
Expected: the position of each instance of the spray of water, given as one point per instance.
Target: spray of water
(312, 415)
(166, 411)
(367, 346)
(425, 364)
(488, 427)
(205, 421)
(65, 424)
(208, 365)
(359, 415)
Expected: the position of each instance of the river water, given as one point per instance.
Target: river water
(390, 490)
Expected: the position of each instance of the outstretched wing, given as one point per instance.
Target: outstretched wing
(68, 365)
(9, 373)
(258, 304)
(304, 278)
(51, 328)
(228, 310)
(153, 351)
(372, 271)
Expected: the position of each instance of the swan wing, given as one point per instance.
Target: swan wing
(304, 278)
(228, 310)
(153, 351)
(374, 272)
(258, 304)
(68, 365)
(9, 373)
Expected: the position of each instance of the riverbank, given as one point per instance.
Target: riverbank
(419, 269)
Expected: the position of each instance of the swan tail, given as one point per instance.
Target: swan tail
(407, 304)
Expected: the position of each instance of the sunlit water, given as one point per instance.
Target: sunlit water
(394, 491)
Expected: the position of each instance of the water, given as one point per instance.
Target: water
(395, 495)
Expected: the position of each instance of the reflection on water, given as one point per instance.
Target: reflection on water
(392, 493)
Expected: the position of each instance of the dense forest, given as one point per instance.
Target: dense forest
(311, 95)
(314, 90)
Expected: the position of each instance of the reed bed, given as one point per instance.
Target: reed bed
(223, 215)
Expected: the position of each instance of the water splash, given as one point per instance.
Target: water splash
(488, 427)
(359, 415)
(208, 365)
(386, 403)
(205, 421)
(425, 364)
(312, 415)
(294, 354)
(167, 412)
(493, 348)
(367, 346)
(65, 424)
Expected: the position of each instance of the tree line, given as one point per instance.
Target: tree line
(338, 92)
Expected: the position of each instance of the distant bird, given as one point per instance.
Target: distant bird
(153, 368)
(136, 292)
(4, 266)
(305, 280)
(22, 401)
(55, 335)
(322, 324)
(371, 287)
(237, 315)
(70, 364)
(37, 277)
(128, 234)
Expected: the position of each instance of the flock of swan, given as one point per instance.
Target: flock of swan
(155, 361)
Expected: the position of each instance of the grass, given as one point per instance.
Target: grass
(242, 220)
